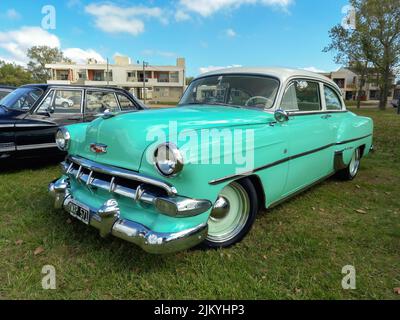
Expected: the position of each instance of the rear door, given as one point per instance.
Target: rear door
(309, 150)
(37, 130)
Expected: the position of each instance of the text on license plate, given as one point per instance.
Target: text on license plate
(79, 212)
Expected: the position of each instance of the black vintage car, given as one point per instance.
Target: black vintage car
(5, 90)
(31, 114)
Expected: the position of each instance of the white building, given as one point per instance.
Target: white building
(162, 83)
(348, 82)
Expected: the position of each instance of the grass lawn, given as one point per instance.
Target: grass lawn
(295, 251)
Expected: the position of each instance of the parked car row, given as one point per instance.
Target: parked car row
(118, 179)
(31, 114)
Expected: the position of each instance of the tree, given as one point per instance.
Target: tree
(376, 41)
(39, 56)
(14, 75)
(189, 80)
(350, 51)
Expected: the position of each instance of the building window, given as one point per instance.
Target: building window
(163, 77)
(174, 77)
(131, 76)
(62, 75)
(339, 82)
(98, 75)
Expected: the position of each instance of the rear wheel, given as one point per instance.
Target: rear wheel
(351, 171)
(233, 214)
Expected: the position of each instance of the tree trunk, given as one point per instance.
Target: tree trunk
(361, 86)
(385, 89)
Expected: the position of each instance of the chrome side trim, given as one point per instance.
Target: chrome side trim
(122, 173)
(32, 125)
(36, 146)
(7, 147)
(11, 125)
(283, 160)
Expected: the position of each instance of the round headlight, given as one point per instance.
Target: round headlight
(63, 139)
(168, 159)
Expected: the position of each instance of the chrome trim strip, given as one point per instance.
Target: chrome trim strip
(36, 146)
(32, 125)
(122, 173)
(11, 125)
(227, 178)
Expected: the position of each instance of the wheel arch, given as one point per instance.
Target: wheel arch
(256, 181)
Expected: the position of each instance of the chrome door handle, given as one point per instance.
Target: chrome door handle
(327, 116)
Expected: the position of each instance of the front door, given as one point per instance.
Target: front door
(309, 150)
(37, 130)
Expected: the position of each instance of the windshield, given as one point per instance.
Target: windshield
(21, 98)
(233, 90)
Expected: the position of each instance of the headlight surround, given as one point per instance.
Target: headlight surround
(168, 159)
(63, 139)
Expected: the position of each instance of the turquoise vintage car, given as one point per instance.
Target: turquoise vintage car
(240, 140)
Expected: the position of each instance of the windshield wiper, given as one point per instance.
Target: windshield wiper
(4, 107)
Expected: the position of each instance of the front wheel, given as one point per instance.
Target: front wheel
(351, 171)
(233, 214)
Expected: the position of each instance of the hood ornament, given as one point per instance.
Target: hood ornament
(98, 148)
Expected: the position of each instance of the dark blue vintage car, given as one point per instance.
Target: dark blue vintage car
(31, 114)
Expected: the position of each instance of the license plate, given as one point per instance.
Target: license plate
(79, 212)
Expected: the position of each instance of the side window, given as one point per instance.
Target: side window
(100, 101)
(289, 101)
(46, 105)
(333, 101)
(125, 103)
(302, 96)
(62, 101)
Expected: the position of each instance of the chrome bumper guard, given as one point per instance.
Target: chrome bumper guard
(165, 201)
(107, 220)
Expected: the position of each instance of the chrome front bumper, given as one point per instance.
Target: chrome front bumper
(107, 220)
(111, 179)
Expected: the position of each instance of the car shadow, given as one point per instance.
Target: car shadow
(11, 165)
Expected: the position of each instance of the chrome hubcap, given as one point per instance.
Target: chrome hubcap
(229, 215)
(355, 163)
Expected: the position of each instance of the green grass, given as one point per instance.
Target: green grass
(295, 251)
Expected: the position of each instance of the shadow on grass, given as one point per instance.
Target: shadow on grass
(11, 165)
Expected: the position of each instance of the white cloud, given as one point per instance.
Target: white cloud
(213, 68)
(114, 19)
(181, 15)
(13, 14)
(313, 69)
(80, 56)
(230, 33)
(208, 7)
(17, 42)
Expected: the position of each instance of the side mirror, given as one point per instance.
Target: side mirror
(50, 110)
(281, 116)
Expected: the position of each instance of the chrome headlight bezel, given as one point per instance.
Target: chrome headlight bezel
(175, 165)
(63, 139)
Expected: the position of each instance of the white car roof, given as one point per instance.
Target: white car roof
(282, 74)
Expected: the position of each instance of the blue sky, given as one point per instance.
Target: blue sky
(208, 33)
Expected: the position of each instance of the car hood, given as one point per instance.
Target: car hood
(128, 135)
